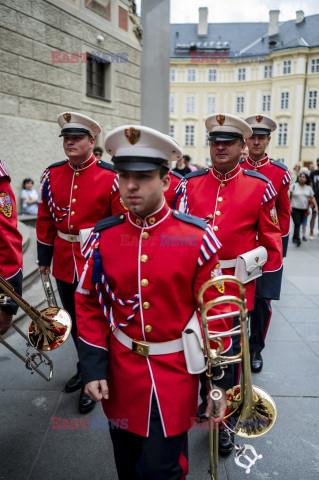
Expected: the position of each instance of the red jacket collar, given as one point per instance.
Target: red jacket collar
(83, 165)
(259, 163)
(152, 219)
(227, 176)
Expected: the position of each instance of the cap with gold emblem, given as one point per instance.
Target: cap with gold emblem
(223, 127)
(73, 123)
(139, 148)
(261, 124)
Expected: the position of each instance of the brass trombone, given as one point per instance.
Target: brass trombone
(254, 407)
(47, 331)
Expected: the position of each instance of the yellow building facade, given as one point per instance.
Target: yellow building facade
(282, 83)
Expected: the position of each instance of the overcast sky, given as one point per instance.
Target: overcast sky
(186, 11)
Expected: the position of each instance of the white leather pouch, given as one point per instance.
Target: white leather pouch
(194, 346)
(249, 265)
(84, 234)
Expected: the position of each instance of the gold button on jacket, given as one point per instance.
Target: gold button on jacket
(145, 235)
(148, 328)
(144, 282)
(146, 305)
(144, 258)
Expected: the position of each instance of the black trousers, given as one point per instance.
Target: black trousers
(259, 323)
(297, 217)
(149, 458)
(67, 295)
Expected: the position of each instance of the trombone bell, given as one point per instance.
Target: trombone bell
(52, 332)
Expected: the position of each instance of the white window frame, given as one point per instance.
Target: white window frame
(312, 98)
(172, 75)
(286, 67)
(189, 135)
(266, 102)
(241, 74)
(171, 131)
(284, 100)
(282, 134)
(172, 104)
(211, 104)
(190, 104)
(268, 71)
(206, 138)
(240, 104)
(315, 65)
(310, 134)
(212, 75)
(191, 74)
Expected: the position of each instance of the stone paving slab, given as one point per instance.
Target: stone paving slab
(299, 314)
(281, 328)
(290, 369)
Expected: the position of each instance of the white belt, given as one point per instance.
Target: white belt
(146, 348)
(69, 237)
(228, 263)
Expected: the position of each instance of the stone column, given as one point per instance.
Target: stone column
(155, 63)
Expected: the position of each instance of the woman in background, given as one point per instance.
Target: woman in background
(29, 197)
(300, 195)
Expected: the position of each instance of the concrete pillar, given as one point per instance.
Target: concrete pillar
(155, 63)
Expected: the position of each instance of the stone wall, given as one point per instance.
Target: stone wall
(34, 90)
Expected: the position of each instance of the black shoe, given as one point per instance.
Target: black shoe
(304, 239)
(201, 410)
(86, 404)
(294, 240)
(74, 383)
(225, 441)
(298, 241)
(256, 362)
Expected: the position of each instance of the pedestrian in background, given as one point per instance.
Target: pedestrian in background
(295, 172)
(301, 194)
(188, 164)
(98, 152)
(181, 167)
(29, 198)
(314, 183)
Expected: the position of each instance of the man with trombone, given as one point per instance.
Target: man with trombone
(10, 248)
(136, 303)
(239, 204)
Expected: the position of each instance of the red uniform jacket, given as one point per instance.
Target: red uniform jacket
(72, 199)
(280, 177)
(170, 194)
(10, 237)
(160, 264)
(239, 205)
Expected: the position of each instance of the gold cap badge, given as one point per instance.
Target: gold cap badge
(67, 117)
(132, 134)
(220, 119)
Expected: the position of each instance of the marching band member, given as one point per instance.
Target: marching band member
(143, 274)
(279, 175)
(76, 193)
(10, 247)
(239, 205)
